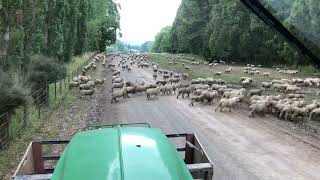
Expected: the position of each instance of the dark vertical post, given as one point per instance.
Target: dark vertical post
(37, 158)
(25, 115)
(189, 150)
(39, 109)
(55, 90)
(60, 84)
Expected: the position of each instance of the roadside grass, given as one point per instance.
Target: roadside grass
(20, 137)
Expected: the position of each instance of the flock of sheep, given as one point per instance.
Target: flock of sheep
(289, 106)
(84, 82)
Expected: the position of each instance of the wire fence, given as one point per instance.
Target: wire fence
(33, 112)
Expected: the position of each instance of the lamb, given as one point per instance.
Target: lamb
(86, 93)
(227, 103)
(119, 93)
(152, 92)
(255, 92)
(186, 90)
(314, 113)
(117, 85)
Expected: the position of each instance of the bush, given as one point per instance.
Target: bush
(42, 72)
(11, 94)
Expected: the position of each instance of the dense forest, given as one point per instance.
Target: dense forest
(41, 36)
(228, 30)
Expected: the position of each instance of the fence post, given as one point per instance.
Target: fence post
(25, 115)
(60, 84)
(55, 90)
(4, 130)
(39, 109)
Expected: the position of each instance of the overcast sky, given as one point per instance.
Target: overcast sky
(141, 20)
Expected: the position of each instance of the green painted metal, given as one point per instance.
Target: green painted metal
(121, 153)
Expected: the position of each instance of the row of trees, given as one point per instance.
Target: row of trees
(228, 30)
(59, 28)
(38, 37)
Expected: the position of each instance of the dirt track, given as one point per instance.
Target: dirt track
(240, 147)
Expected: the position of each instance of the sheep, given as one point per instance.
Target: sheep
(266, 74)
(227, 103)
(259, 107)
(98, 81)
(73, 84)
(185, 76)
(297, 111)
(117, 85)
(166, 76)
(152, 92)
(217, 73)
(162, 82)
(117, 80)
(119, 93)
(174, 80)
(202, 86)
(290, 96)
(86, 93)
(129, 84)
(196, 99)
(246, 82)
(210, 95)
(140, 88)
(291, 89)
(266, 85)
(182, 85)
(85, 86)
(312, 106)
(186, 90)
(228, 71)
(255, 92)
(314, 113)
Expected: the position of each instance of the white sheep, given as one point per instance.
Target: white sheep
(227, 103)
(152, 92)
(314, 113)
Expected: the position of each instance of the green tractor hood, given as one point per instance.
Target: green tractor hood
(121, 153)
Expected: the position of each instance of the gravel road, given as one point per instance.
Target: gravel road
(240, 147)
